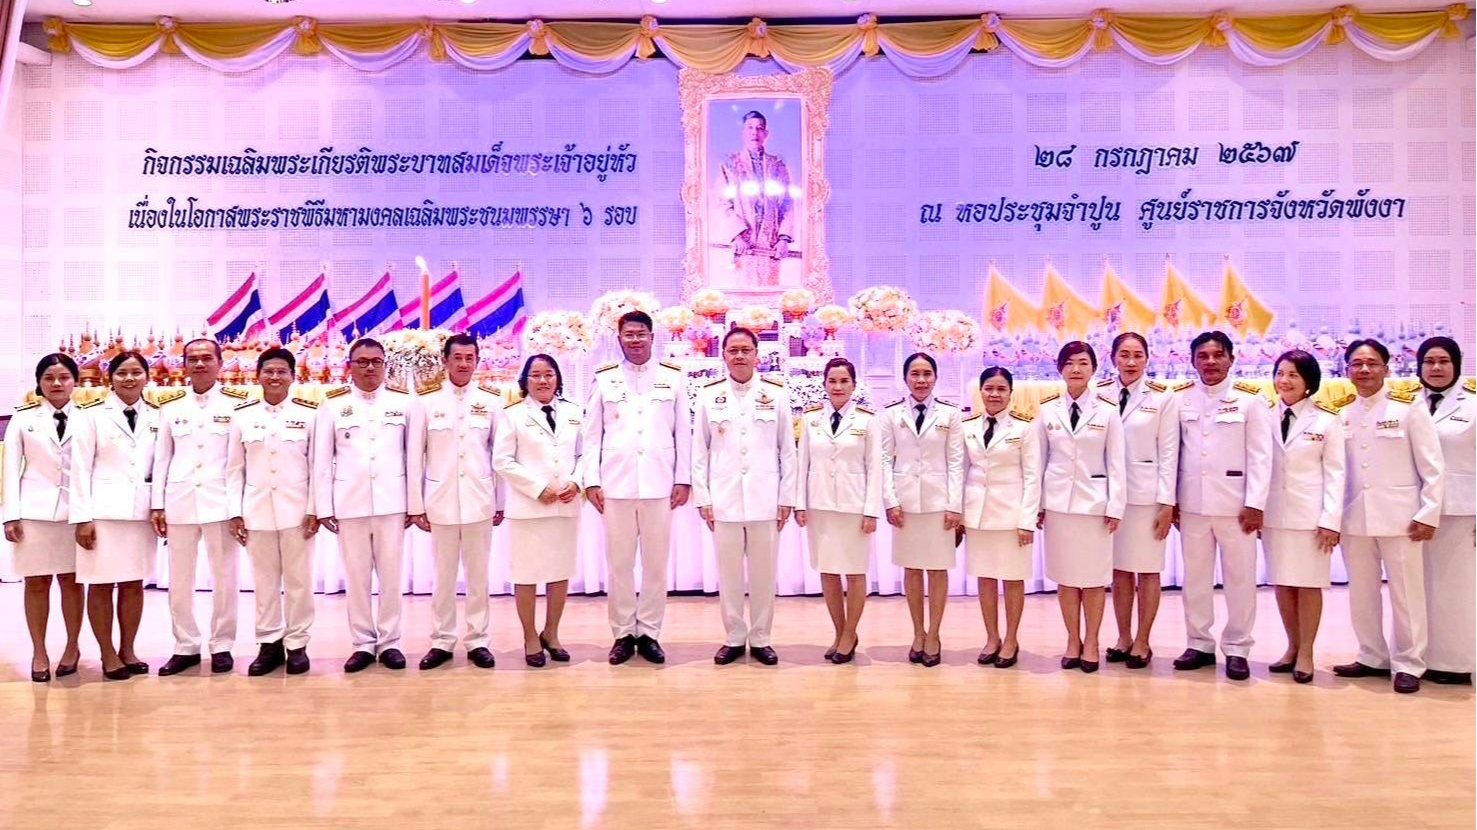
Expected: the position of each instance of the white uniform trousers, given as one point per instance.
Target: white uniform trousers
(1199, 538)
(220, 551)
(737, 542)
(282, 561)
(372, 546)
(1451, 582)
(468, 545)
(1404, 569)
(626, 522)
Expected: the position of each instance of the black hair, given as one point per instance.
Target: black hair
(1306, 366)
(1216, 336)
(640, 317)
(458, 339)
(123, 357)
(919, 356)
(365, 343)
(213, 344)
(740, 330)
(1378, 347)
(528, 364)
(276, 353)
(843, 363)
(55, 359)
(1072, 349)
(1130, 335)
(997, 372)
(1452, 350)
(754, 114)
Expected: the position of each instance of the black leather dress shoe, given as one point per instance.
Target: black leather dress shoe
(139, 667)
(650, 650)
(297, 661)
(1358, 669)
(727, 654)
(1448, 678)
(391, 658)
(222, 662)
(481, 657)
(1193, 659)
(178, 663)
(1116, 655)
(435, 658)
(769, 657)
(358, 661)
(1236, 668)
(269, 658)
(1136, 662)
(623, 649)
(120, 673)
(1406, 683)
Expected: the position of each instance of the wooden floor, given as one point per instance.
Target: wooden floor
(880, 743)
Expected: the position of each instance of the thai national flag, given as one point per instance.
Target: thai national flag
(374, 313)
(241, 315)
(309, 314)
(447, 309)
(501, 311)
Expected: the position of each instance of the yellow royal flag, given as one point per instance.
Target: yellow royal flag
(1006, 309)
(1239, 308)
(1063, 311)
(1179, 305)
(1122, 309)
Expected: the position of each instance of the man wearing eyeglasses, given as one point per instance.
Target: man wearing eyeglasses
(361, 485)
(743, 481)
(637, 444)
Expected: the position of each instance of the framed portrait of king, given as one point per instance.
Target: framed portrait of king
(754, 188)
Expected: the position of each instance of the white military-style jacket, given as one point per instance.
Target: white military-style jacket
(1151, 438)
(530, 456)
(1002, 480)
(743, 450)
(455, 447)
(1307, 485)
(1082, 470)
(1225, 448)
(1455, 417)
(922, 470)
(38, 465)
(361, 463)
(112, 465)
(840, 472)
(1394, 467)
(638, 431)
(190, 454)
(269, 469)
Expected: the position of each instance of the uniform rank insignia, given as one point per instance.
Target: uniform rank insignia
(394, 413)
(346, 412)
(477, 409)
(221, 419)
(297, 425)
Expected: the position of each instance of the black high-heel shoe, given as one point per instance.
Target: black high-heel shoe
(1302, 676)
(1088, 666)
(987, 658)
(43, 676)
(139, 667)
(534, 661)
(846, 657)
(1007, 662)
(120, 673)
(1069, 663)
(913, 656)
(558, 655)
(1282, 668)
(1136, 662)
(65, 671)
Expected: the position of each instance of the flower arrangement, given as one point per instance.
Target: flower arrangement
(608, 308)
(883, 308)
(676, 319)
(413, 356)
(558, 332)
(949, 332)
(700, 338)
(797, 302)
(755, 318)
(833, 318)
(710, 303)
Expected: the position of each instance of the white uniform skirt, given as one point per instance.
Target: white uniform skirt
(837, 543)
(1450, 580)
(994, 554)
(1293, 558)
(923, 543)
(45, 549)
(1079, 550)
(542, 550)
(124, 553)
(1134, 547)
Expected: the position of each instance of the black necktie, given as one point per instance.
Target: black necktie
(131, 417)
(61, 424)
(549, 415)
(918, 422)
(1286, 423)
(1436, 401)
(1122, 400)
(989, 429)
(1076, 413)
(835, 422)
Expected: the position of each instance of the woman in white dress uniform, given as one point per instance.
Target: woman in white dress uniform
(38, 469)
(839, 499)
(1305, 506)
(1151, 439)
(1449, 557)
(112, 465)
(1002, 494)
(537, 452)
(922, 479)
(1083, 496)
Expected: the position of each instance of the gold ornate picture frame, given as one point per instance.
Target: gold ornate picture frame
(717, 168)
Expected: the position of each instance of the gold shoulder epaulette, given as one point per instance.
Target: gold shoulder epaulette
(397, 389)
(606, 368)
(1049, 398)
(1344, 401)
(1107, 400)
(305, 402)
(90, 404)
(23, 407)
(1248, 387)
(1155, 385)
(1470, 385)
(488, 388)
(773, 382)
(945, 403)
(1329, 408)
(244, 404)
(336, 391)
(975, 416)
(1021, 416)
(815, 407)
(512, 403)
(233, 392)
(151, 404)
(713, 383)
(898, 402)
(861, 408)
(1106, 382)
(1183, 385)
(171, 395)
(428, 388)
(670, 365)
(1403, 397)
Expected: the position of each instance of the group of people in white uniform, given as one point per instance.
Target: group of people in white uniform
(1103, 471)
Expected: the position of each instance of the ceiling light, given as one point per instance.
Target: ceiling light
(658, 2)
(468, 2)
(82, 2)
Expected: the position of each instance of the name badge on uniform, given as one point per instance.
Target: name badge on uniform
(941, 427)
(1227, 410)
(859, 432)
(153, 429)
(1096, 426)
(1014, 439)
(1391, 424)
(1148, 409)
(394, 413)
(661, 386)
(574, 421)
(1460, 418)
(297, 425)
(221, 419)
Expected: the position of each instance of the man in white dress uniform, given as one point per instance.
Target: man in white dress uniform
(1225, 471)
(190, 505)
(743, 481)
(461, 495)
(638, 469)
(360, 474)
(270, 472)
